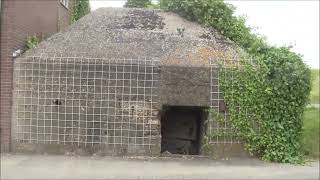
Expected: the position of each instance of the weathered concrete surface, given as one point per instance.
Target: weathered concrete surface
(90, 98)
(71, 167)
(138, 33)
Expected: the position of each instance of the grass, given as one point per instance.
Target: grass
(311, 122)
(310, 134)
(314, 95)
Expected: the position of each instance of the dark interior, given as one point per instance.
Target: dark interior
(181, 128)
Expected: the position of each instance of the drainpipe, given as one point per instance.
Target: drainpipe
(58, 16)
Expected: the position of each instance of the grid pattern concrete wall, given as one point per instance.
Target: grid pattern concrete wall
(86, 101)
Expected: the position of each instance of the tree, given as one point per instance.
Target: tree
(137, 3)
(80, 9)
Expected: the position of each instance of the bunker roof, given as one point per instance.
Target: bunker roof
(136, 34)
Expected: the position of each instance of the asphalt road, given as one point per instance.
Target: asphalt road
(75, 167)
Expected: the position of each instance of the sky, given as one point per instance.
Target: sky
(281, 22)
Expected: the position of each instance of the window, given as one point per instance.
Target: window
(65, 3)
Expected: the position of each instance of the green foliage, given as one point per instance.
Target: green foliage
(80, 9)
(311, 133)
(137, 3)
(271, 92)
(164, 4)
(153, 6)
(272, 95)
(32, 42)
(314, 96)
(245, 94)
(289, 82)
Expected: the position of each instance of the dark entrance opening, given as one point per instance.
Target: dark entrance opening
(181, 129)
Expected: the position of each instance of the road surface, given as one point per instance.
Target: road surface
(94, 167)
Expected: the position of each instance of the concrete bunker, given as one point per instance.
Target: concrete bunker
(182, 129)
(107, 84)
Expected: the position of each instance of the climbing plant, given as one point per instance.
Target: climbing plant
(80, 9)
(271, 91)
(32, 42)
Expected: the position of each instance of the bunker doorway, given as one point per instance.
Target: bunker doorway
(181, 129)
